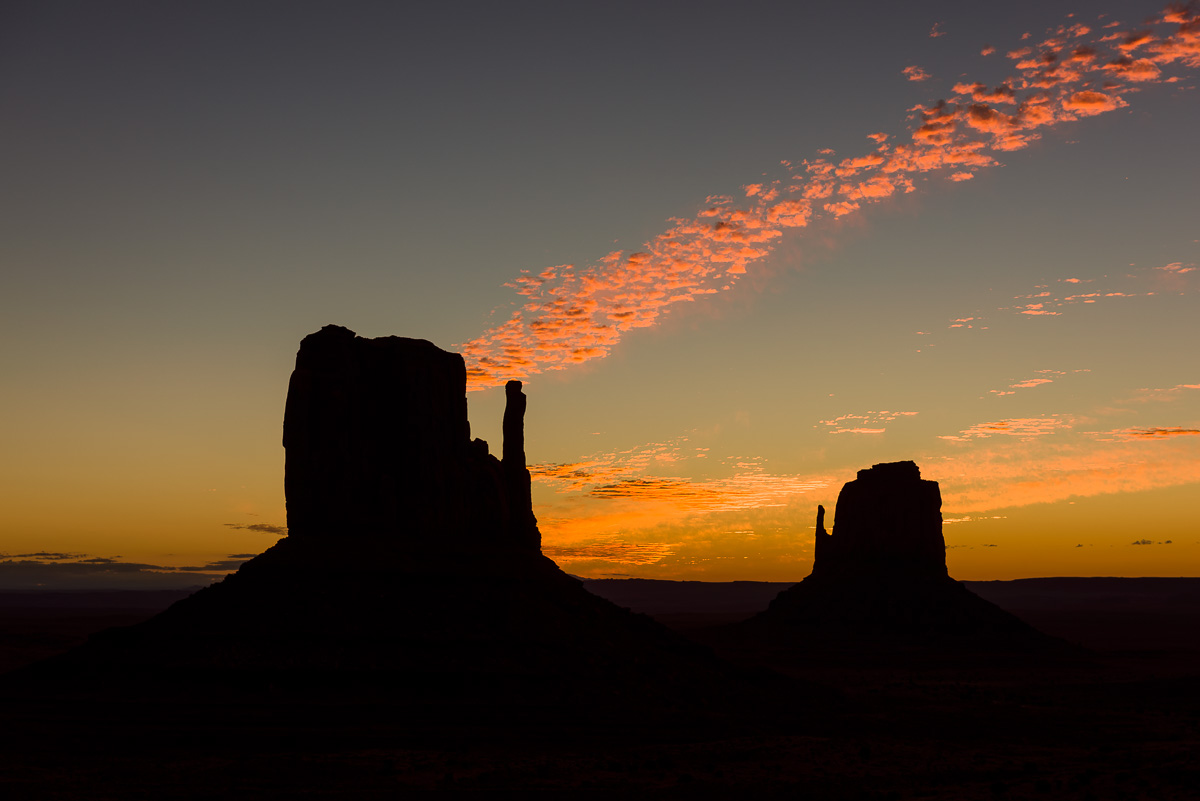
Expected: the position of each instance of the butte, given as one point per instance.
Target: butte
(411, 573)
(879, 582)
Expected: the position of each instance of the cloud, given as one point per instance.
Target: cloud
(1089, 103)
(572, 314)
(50, 571)
(610, 494)
(1166, 394)
(619, 552)
(1044, 377)
(44, 556)
(866, 423)
(1177, 268)
(915, 73)
(1140, 283)
(1155, 433)
(1023, 427)
(633, 474)
(261, 528)
(1012, 472)
(219, 566)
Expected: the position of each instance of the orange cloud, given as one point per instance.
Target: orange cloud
(1177, 268)
(1029, 383)
(625, 553)
(1028, 472)
(1090, 103)
(574, 314)
(915, 73)
(1155, 433)
(1023, 427)
(1167, 394)
(631, 474)
(866, 423)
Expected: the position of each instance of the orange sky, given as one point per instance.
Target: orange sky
(736, 262)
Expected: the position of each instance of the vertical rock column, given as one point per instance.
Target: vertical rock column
(523, 529)
(821, 545)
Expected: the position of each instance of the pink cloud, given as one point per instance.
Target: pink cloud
(865, 423)
(617, 551)
(1177, 268)
(1023, 427)
(1089, 103)
(572, 314)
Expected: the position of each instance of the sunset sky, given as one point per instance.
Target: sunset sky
(736, 253)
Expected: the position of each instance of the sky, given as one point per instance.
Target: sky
(736, 254)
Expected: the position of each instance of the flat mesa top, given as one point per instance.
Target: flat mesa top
(891, 470)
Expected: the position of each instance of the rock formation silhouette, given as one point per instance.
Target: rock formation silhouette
(881, 575)
(379, 447)
(412, 565)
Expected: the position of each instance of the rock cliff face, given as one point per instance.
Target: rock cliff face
(379, 446)
(888, 517)
(881, 575)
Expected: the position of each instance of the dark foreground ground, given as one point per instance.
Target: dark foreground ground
(1120, 720)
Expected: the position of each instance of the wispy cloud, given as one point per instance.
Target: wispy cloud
(573, 314)
(607, 477)
(915, 73)
(50, 570)
(260, 528)
(1165, 394)
(640, 489)
(1023, 427)
(1155, 433)
(1178, 268)
(1043, 377)
(1013, 472)
(866, 423)
(619, 552)
(1057, 297)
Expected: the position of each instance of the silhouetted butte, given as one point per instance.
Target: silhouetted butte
(881, 576)
(412, 562)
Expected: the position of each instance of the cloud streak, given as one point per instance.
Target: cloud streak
(571, 314)
(867, 423)
(1155, 433)
(1027, 471)
(79, 571)
(626, 553)
(1022, 427)
(260, 528)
